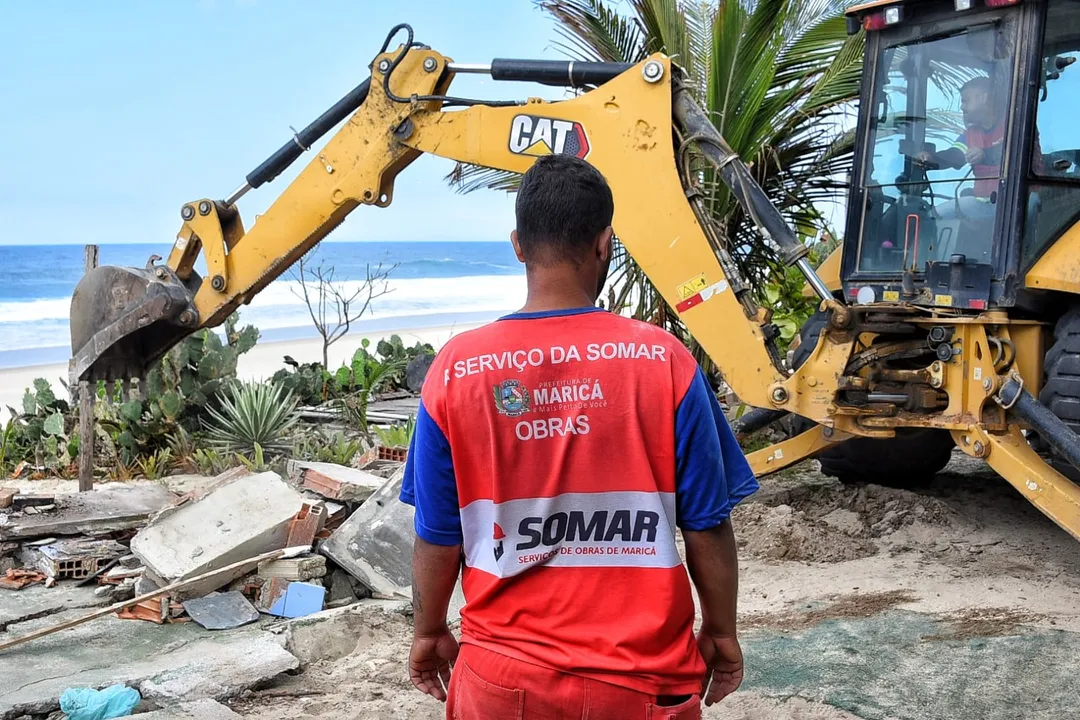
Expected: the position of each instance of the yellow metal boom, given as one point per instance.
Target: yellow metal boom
(633, 126)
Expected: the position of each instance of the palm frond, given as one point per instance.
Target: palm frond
(778, 79)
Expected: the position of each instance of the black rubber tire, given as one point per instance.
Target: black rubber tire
(1061, 381)
(909, 459)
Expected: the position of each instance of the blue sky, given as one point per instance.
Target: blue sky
(113, 114)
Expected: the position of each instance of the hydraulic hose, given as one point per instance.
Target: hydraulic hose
(1019, 402)
(745, 189)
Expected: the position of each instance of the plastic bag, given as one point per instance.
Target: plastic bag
(89, 704)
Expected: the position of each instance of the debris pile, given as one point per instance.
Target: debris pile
(244, 548)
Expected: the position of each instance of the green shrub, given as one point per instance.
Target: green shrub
(318, 447)
(209, 461)
(366, 373)
(254, 417)
(393, 350)
(157, 465)
(398, 435)
(43, 433)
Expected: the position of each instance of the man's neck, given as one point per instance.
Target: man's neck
(555, 289)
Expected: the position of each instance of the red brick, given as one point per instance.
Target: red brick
(305, 526)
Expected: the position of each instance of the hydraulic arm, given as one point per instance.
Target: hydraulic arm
(637, 125)
(124, 319)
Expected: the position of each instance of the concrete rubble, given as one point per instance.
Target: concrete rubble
(76, 559)
(222, 611)
(236, 520)
(305, 568)
(106, 510)
(334, 482)
(375, 543)
(62, 557)
(167, 664)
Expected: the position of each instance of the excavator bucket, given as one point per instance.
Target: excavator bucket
(124, 319)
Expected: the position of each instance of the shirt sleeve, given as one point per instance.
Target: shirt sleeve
(712, 474)
(960, 143)
(429, 483)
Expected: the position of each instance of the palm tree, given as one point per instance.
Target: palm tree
(778, 78)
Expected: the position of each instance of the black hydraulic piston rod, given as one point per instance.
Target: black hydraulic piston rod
(1019, 402)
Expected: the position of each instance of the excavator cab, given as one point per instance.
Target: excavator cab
(967, 148)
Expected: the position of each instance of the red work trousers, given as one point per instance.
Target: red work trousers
(485, 685)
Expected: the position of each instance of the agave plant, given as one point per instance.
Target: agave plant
(254, 418)
(777, 77)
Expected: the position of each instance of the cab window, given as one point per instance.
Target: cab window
(937, 140)
(1054, 191)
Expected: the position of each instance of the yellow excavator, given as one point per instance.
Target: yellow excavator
(949, 316)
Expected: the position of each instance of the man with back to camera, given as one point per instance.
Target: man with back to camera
(558, 448)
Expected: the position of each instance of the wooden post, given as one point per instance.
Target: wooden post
(87, 393)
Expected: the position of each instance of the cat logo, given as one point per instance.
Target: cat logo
(536, 136)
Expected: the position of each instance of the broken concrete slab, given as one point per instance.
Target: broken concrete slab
(123, 573)
(198, 710)
(375, 544)
(332, 634)
(222, 611)
(106, 510)
(335, 482)
(166, 663)
(38, 601)
(235, 520)
(144, 585)
(6, 496)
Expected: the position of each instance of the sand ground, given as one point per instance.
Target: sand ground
(959, 601)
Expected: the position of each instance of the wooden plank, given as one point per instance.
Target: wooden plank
(87, 395)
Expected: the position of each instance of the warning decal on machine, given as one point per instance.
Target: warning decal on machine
(693, 287)
(700, 297)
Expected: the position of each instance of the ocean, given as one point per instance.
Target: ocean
(434, 283)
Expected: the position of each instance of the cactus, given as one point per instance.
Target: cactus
(43, 432)
(178, 392)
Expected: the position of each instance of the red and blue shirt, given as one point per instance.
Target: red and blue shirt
(987, 170)
(562, 450)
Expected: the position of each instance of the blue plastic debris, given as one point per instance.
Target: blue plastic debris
(300, 599)
(88, 704)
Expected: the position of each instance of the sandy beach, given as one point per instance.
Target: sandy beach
(259, 363)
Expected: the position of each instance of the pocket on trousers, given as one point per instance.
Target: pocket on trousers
(689, 710)
(478, 699)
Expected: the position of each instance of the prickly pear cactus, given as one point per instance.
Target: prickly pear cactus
(177, 391)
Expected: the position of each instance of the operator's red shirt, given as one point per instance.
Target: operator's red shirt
(987, 171)
(562, 450)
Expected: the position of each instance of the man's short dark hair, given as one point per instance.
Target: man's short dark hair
(979, 82)
(562, 205)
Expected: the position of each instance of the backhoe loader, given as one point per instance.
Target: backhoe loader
(948, 317)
